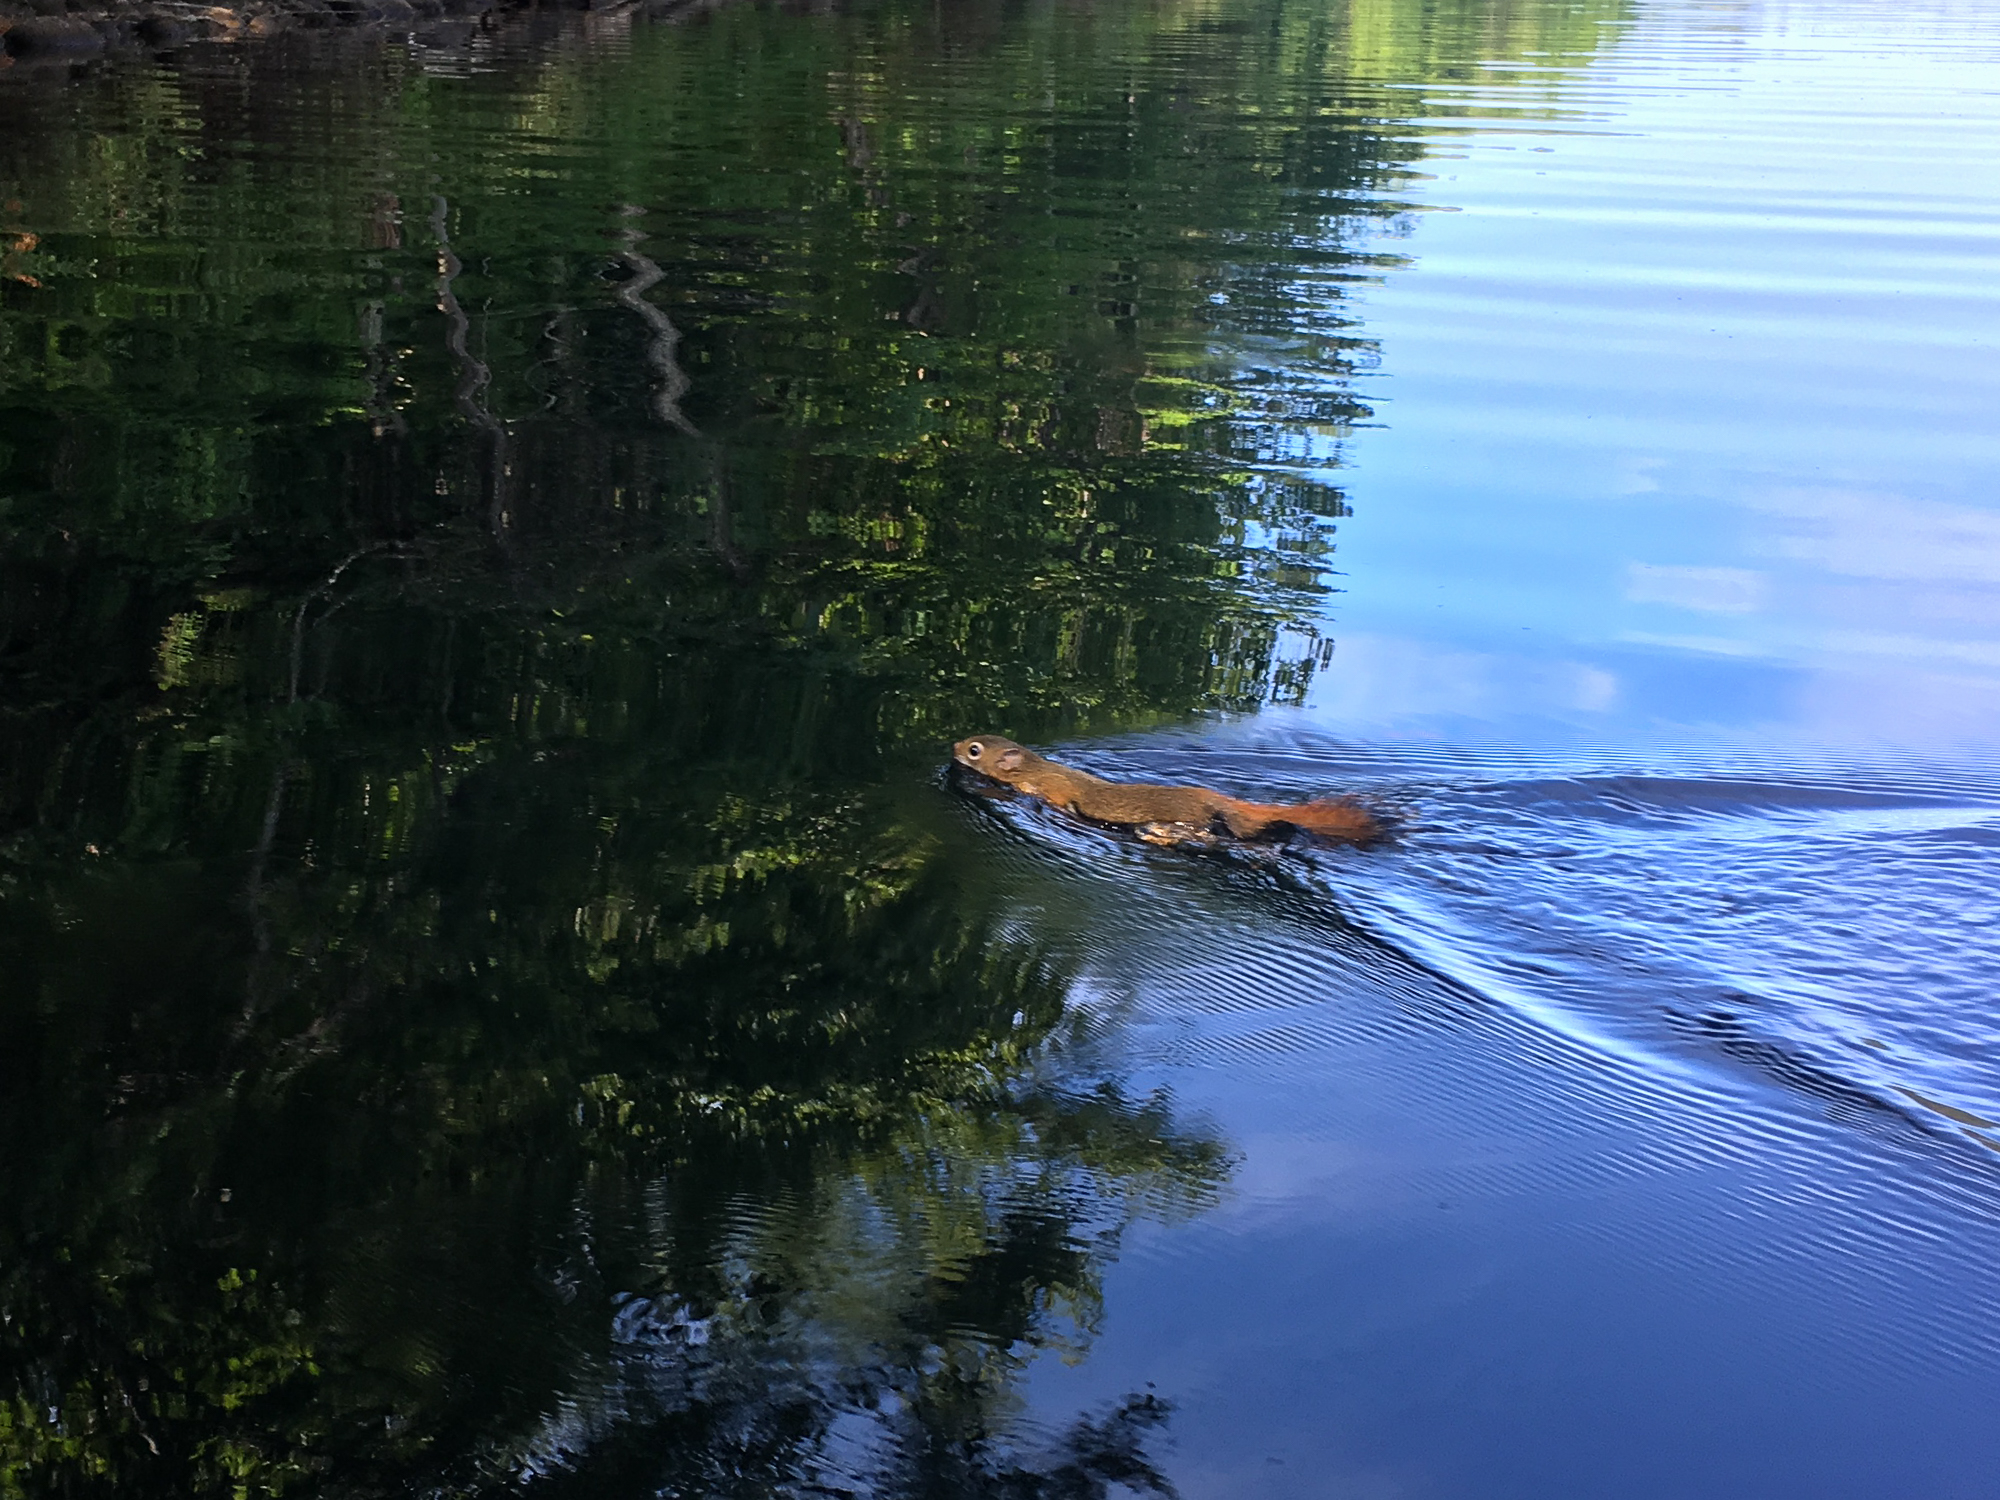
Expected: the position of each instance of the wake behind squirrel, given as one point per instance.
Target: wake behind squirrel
(1170, 815)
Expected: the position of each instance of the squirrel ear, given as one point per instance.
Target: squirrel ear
(1010, 760)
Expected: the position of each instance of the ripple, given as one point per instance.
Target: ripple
(1823, 933)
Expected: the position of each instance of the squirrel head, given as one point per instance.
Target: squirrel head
(990, 755)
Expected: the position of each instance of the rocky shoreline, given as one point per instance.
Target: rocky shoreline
(61, 32)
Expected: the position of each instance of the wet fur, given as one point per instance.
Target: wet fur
(1158, 814)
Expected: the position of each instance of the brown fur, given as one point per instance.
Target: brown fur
(1156, 811)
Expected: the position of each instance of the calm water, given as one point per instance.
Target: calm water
(497, 527)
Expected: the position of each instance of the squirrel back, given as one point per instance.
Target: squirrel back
(1136, 804)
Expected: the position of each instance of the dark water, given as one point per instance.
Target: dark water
(497, 527)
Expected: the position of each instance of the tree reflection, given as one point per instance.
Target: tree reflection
(474, 1161)
(491, 997)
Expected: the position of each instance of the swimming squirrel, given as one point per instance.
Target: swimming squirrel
(1158, 814)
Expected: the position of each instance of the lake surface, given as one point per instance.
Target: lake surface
(500, 524)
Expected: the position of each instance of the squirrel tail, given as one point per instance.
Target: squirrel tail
(1328, 818)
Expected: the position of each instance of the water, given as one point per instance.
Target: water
(500, 523)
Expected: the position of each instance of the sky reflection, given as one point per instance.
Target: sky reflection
(1685, 418)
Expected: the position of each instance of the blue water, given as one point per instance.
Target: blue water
(504, 520)
(1632, 1126)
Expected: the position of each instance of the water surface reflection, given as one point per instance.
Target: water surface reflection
(498, 528)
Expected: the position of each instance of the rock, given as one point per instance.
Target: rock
(51, 36)
(161, 31)
(48, 35)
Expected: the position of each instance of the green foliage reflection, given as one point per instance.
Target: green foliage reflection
(492, 537)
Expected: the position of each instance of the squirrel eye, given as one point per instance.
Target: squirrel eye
(973, 751)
